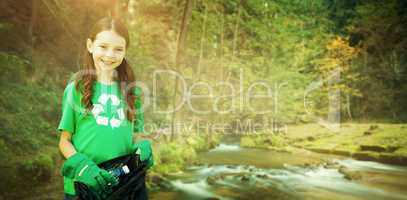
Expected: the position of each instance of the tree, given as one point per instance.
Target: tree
(179, 59)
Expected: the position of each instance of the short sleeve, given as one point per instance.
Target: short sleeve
(67, 122)
(138, 105)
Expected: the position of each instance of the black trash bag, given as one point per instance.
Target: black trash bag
(131, 186)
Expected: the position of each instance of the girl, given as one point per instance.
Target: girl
(100, 112)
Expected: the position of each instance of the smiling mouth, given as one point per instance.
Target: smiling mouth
(107, 62)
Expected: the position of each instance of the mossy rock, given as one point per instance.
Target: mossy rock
(212, 198)
(375, 148)
(341, 152)
(367, 133)
(311, 138)
(392, 149)
(245, 178)
(393, 159)
(320, 150)
(348, 174)
(211, 180)
(373, 127)
(280, 149)
(331, 165)
(158, 180)
(367, 156)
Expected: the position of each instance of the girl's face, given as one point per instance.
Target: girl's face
(108, 50)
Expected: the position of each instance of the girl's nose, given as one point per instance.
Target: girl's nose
(110, 53)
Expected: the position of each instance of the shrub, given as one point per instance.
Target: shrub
(247, 142)
(38, 169)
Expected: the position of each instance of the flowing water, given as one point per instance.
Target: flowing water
(232, 172)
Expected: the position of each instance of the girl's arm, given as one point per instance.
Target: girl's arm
(65, 145)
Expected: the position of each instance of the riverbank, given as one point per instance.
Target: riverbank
(385, 143)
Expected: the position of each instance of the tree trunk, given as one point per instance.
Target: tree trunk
(236, 32)
(33, 23)
(203, 34)
(179, 58)
(348, 107)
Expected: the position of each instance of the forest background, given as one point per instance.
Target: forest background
(253, 62)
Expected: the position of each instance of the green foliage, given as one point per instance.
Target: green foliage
(171, 153)
(189, 155)
(39, 169)
(197, 142)
(287, 45)
(292, 44)
(174, 156)
(379, 29)
(29, 110)
(263, 140)
(390, 137)
(13, 68)
(247, 142)
(275, 140)
(4, 26)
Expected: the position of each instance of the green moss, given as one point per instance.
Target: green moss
(263, 141)
(276, 141)
(401, 151)
(189, 155)
(392, 137)
(247, 142)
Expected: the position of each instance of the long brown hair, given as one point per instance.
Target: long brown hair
(84, 80)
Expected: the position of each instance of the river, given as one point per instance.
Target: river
(231, 172)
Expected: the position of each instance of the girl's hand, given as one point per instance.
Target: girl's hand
(143, 148)
(82, 169)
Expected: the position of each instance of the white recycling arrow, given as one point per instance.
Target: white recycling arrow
(120, 112)
(102, 120)
(98, 108)
(114, 123)
(115, 100)
(103, 99)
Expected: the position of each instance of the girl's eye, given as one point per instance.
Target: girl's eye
(119, 50)
(103, 46)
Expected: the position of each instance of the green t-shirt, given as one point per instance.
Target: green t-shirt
(104, 133)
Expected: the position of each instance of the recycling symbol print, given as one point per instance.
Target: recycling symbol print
(107, 111)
